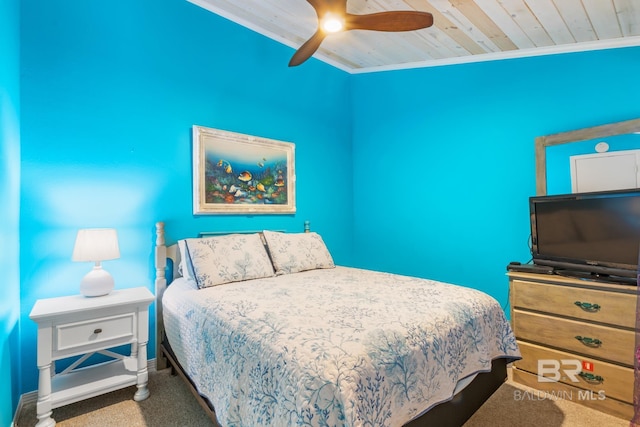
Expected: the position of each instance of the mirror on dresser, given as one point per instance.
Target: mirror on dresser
(629, 127)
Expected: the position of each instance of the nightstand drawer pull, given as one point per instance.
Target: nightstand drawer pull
(97, 331)
(589, 342)
(587, 306)
(590, 378)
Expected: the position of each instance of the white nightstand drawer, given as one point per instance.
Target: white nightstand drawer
(119, 328)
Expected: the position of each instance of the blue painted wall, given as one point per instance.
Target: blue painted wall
(444, 157)
(423, 172)
(109, 95)
(9, 208)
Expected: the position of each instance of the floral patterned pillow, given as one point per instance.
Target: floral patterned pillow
(293, 252)
(184, 267)
(231, 258)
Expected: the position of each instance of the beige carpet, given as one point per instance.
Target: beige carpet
(172, 404)
(505, 409)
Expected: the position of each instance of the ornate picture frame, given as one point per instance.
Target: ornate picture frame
(235, 173)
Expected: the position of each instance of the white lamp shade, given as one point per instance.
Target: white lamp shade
(96, 244)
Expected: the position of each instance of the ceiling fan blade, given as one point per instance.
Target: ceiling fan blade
(322, 6)
(307, 49)
(404, 20)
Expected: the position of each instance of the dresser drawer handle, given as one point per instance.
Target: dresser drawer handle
(587, 306)
(589, 342)
(590, 378)
(97, 331)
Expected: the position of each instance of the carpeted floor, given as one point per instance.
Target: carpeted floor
(505, 409)
(172, 404)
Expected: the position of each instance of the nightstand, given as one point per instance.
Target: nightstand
(78, 325)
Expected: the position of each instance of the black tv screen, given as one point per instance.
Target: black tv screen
(597, 233)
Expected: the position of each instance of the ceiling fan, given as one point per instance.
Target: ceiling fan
(333, 17)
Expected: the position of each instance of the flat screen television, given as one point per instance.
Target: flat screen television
(589, 235)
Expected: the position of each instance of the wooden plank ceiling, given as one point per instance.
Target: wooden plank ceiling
(463, 30)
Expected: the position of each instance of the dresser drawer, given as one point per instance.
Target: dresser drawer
(616, 381)
(616, 345)
(118, 329)
(595, 305)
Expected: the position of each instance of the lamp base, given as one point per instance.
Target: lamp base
(96, 283)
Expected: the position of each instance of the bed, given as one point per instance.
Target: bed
(267, 331)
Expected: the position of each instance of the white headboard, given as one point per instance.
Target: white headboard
(161, 255)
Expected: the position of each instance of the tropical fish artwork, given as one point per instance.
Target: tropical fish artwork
(260, 180)
(226, 165)
(245, 176)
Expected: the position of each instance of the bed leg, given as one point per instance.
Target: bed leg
(161, 363)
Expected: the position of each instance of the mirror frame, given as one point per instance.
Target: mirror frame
(542, 142)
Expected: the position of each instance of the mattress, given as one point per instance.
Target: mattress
(341, 346)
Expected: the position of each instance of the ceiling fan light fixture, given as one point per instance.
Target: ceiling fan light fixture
(333, 17)
(332, 23)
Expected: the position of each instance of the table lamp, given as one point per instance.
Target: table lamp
(96, 245)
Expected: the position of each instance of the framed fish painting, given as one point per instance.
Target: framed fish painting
(235, 173)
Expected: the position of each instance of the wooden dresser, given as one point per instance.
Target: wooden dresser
(579, 336)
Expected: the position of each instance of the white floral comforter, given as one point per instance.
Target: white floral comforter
(334, 347)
